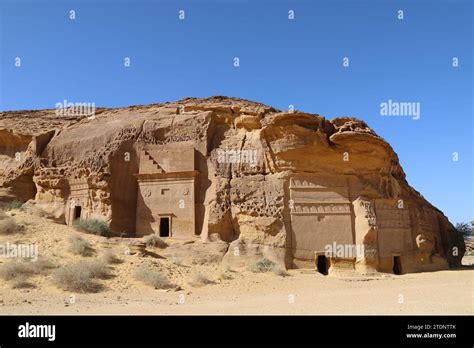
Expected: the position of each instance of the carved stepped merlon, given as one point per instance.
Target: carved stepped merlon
(166, 197)
(148, 165)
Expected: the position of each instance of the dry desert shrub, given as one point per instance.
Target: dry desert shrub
(152, 278)
(97, 269)
(20, 271)
(199, 279)
(22, 282)
(264, 265)
(41, 266)
(79, 246)
(8, 224)
(93, 226)
(11, 205)
(110, 258)
(152, 240)
(80, 277)
(15, 269)
(280, 271)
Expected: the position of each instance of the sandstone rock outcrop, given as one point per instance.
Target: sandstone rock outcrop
(284, 185)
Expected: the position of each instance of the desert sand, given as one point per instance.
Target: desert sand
(302, 292)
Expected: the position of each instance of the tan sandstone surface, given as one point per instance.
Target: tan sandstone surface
(266, 183)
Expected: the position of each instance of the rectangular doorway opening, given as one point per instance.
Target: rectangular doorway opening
(164, 227)
(77, 212)
(397, 265)
(322, 264)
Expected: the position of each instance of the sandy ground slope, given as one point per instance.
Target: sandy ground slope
(303, 292)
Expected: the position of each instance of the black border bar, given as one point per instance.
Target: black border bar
(243, 330)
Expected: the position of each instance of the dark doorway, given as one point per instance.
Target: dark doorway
(165, 227)
(77, 212)
(322, 264)
(397, 265)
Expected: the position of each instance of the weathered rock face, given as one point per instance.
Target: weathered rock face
(288, 186)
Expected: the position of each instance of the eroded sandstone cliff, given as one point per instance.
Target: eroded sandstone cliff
(279, 184)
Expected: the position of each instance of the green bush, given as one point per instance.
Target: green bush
(93, 226)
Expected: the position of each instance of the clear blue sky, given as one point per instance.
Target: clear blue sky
(282, 62)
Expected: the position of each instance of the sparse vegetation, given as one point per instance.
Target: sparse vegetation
(110, 258)
(40, 266)
(19, 271)
(11, 205)
(152, 240)
(280, 271)
(199, 279)
(93, 226)
(264, 265)
(152, 278)
(79, 246)
(8, 224)
(15, 269)
(464, 228)
(81, 276)
(97, 269)
(22, 282)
